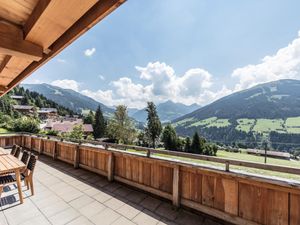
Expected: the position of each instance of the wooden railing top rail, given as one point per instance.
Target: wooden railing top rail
(149, 151)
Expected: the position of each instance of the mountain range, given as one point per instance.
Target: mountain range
(68, 98)
(167, 111)
(260, 110)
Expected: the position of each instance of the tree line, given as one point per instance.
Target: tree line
(121, 129)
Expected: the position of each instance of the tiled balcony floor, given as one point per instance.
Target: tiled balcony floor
(64, 195)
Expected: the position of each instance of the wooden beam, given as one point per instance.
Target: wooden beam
(20, 48)
(4, 62)
(2, 89)
(98, 12)
(35, 15)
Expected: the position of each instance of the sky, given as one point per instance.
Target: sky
(192, 51)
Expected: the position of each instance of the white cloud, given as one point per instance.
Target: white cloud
(89, 52)
(159, 81)
(163, 84)
(67, 84)
(101, 77)
(61, 60)
(282, 65)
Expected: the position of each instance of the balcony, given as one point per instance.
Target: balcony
(65, 195)
(95, 183)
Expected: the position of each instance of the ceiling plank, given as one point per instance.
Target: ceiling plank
(99, 11)
(3, 89)
(20, 48)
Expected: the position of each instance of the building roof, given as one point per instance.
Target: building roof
(23, 107)
(47, 110)
(34, 31)
(16, 97)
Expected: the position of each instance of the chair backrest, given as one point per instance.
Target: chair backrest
(17, 153)
(32, 162)
(25, 157)
(13, 150)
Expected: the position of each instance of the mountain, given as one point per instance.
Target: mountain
(277, 99)
(167, 111)
(263, 112)
(68, 98)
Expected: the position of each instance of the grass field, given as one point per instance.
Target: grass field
(3, 130)
(268, 125)
(292, 125)
(204, 122)
(243, 157)
(245, 124)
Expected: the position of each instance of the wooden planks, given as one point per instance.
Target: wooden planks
(9, 163)
(239, 200)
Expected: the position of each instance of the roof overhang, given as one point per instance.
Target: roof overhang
(34, 31)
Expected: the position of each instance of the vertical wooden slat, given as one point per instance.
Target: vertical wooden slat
(176, 194)
(76, 156)
(55, 150)
(110, 167)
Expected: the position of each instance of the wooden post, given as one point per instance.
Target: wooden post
(30, 143)
(55, 150)
(41, 146)
(227, 166)
(176, 199)
(148, 153)
(77, 156)
(22, 141)
(110, 167)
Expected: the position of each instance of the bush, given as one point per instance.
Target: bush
(25, 124)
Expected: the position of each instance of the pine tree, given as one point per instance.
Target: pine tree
(169, 138)
(196, 144)
(89, 118)
(99, 125)
(154, 128)
(187, 146)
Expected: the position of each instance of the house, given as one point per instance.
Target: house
(46, 113)
(24, 109)
(65, 126)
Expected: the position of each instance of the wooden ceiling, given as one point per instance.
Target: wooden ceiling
(34, 31)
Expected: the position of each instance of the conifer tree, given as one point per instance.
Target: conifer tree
(154, 128)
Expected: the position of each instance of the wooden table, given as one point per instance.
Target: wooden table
(10, 164)
(3, 152)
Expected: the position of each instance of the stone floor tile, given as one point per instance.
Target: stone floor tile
(40, 220)
(80, 221)
(185, 217)
(102, 197)
(151, 203)
(91, 209)
(146, 218)
(136, 196)
(80, 202)
(129, 211)
(114, 203)
(166, 210)
(105, 217)
(123, 221)
(64, 217)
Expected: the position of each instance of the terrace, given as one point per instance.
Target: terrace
(64, 195)
(97, 183)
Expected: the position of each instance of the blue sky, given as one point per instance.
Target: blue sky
(185, 51)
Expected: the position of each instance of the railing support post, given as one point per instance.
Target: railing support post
(30, 143)
(176, 197)
(55, 150)
(148, 153)
(227, 166)
(110, 167)
(41, 146)
(77, 156)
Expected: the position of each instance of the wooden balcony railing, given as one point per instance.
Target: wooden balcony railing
(228, 195)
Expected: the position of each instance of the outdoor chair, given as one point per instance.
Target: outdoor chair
(25, 157)
(17, 152)
(27, 176)
(13, 150)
